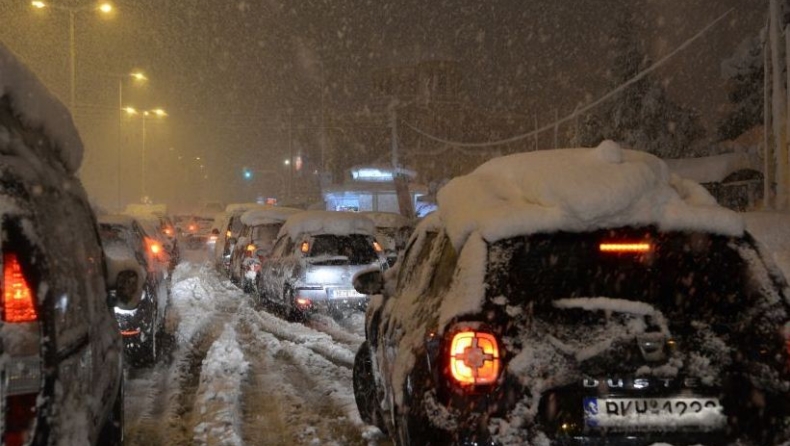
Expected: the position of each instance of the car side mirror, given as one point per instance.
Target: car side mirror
(369, 282)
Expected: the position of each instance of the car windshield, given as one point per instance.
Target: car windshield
(686, 276)
(356, 248)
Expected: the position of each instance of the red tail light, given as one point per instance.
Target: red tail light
(18, 304)
(377, 247)
(474, 358)
(168, 232)
(153, 246)
(305, 247)
(228, 234)
(192, 228)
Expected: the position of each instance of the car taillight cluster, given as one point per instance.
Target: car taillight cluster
(474, 358)
(250, 250)
(18, 304)
(22, 374)
(154, 247)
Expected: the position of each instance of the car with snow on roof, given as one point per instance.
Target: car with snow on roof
(61, 362)
(577, 296)
(256, 237)
(139, 287)
(313, 261)
(228, 225)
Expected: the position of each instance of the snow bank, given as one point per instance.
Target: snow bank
(218, 396)
(38, 108)
(579, 189)
(327, 222)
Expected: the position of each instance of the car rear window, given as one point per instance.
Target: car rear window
(357, 248)
(685, 275)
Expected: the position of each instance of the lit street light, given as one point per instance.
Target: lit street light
(138, 77)
(145, 115)
(104, 8)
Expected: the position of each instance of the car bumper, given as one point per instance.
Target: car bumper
(331, 298)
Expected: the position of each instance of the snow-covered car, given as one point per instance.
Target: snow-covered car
(577, 296)
(314, 259)
(196, 232)
(228, 225)
(392, 231)
(62, 354)
(163, 242)
(259, 229)
(141, 291)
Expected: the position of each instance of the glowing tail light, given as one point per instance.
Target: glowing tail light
(18, 304)
(153, 246)
(168, 232)
(305, 247)
(250, 249)
(474, 358)
(626, 247)
(377, 247)
(228, 234)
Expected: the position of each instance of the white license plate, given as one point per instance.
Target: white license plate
(640, 414)
(342, 293)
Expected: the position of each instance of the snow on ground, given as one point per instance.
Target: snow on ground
(237, 375)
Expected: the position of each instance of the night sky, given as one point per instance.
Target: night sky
(229, 73)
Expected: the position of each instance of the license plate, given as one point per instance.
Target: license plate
(642, 414)
(343, 293)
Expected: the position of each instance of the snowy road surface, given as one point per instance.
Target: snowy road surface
(236, 375)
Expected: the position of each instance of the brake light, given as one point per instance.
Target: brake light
(18, 305)
(305, 247)
(474, 358)
(377, 247)
(250, 249)
(625, 247)
(168, 232)
(228, 234)
(192, 228)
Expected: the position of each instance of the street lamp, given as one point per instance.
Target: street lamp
(104, 8)
(137, 77)
(145, 115)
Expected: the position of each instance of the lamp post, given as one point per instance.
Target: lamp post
(104, 8)
(145, 115)
(139, 77)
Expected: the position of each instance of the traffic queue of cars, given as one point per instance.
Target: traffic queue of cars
(577, 297)
(570, 297)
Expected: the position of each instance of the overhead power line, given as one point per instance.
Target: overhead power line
(578, 111)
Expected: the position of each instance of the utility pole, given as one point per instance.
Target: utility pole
(405, 204)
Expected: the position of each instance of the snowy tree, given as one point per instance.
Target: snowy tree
(744, 71)
(642, 116)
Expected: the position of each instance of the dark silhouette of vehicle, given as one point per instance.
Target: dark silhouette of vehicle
(61, 374)
(577, 296)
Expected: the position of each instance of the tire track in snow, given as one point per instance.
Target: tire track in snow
(301, 396)
(320, 342)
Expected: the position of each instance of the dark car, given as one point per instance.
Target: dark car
(313, 261)
(62, 355)
(578, 296)
(256, 237)
(140, 287)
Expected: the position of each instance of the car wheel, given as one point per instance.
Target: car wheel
(112, 432)
(365, 388)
